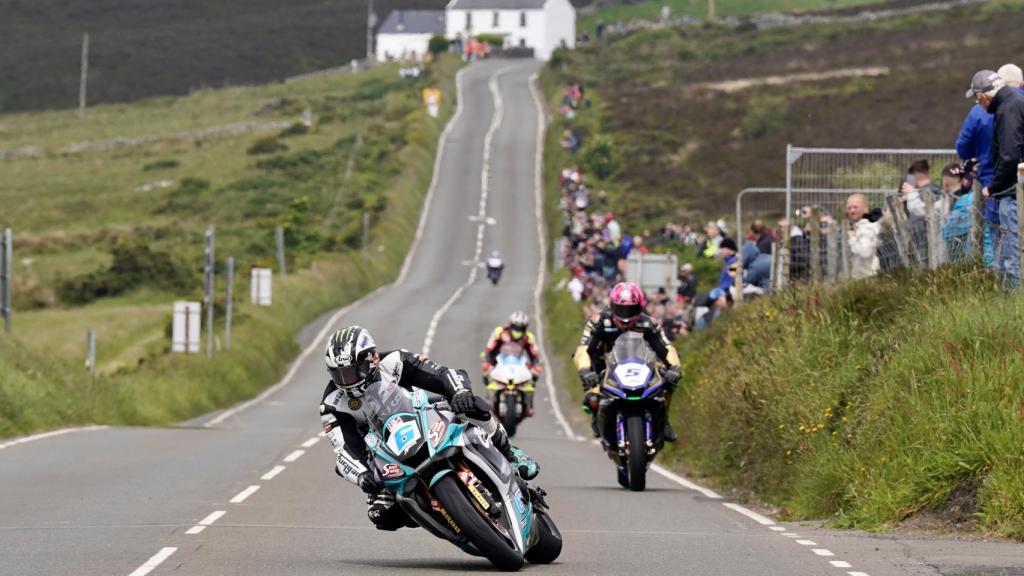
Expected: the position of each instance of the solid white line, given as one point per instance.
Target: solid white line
(538, 306)
(213, 517)
(749, 514)
(790, 534)
(806, 542)
(195, 530)
(333, 320)
(311, 442)
(157, 559)
(241, 496)
(858, 573)
(294, 456)
(657, 468)
(496, 120)
(50, 434)
(822, 552)
(273, 472)
(840, 563)
(777, 528)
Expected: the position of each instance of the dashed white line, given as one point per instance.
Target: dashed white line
(806, 542)
(822, 552)
(241, 496)
(50, 434)
(273, 472)
(777, 528)
(790, 535)
(156, 560)
(858, 573)
(294, 456)
(212, 517)
(762, 520)
(311, 442)
(840, 563)
(195, 530)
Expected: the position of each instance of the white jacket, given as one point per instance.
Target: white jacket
(864, 248)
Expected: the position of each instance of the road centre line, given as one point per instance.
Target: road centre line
(212, 517)
(241, 496)
(294, 456)
(311, 442)
(822, 552)
(806, 542)
(840, 564)
(154, 561)
(777, 528)
(273, 472)
(858, 573)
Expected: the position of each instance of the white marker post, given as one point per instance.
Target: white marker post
(186, 327)
(261, 286)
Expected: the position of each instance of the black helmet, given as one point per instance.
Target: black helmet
(351, 359)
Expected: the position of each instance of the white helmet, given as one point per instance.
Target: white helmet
(518, 322)
(351, 358)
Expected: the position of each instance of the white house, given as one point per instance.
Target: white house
(543, 25)
(405, 34)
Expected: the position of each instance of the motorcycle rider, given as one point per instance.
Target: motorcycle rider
(495, 265)
(354, 367)
(514, 332)
(625, 313)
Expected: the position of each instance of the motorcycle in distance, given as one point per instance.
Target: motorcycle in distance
(631, 414)
(451, 480)
(495, 265)
(507, 382)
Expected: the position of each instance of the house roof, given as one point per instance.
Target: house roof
(497, 4)
(413, 22)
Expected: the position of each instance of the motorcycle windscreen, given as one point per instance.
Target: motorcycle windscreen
(631, 364)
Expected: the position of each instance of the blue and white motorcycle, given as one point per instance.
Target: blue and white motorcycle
(631, 415)
(450, 479)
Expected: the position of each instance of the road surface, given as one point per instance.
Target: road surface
(252, 490)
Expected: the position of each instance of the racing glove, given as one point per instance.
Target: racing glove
(589, 378)
(463, 401)
(368, 483)
(672, 375)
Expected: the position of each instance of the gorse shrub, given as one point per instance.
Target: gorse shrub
(134, 265)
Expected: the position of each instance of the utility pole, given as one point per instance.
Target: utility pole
(208, 269)
(90, 351)
(229, 300)
(711, 9)
(371, 21)
(279, 240)
(85, 76)
(366, 236)
(6, 277)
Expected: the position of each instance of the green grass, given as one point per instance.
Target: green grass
(699, 9)
(42, 380)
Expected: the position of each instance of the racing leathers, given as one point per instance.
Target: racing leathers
(346, 420)
(502, 336)
(599, 336)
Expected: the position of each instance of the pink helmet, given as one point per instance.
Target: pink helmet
(627, 303)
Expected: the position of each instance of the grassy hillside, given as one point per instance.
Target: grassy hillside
(94, 250)
(689, 149)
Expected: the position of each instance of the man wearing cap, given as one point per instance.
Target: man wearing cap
(1007, 107)
(687, 289)
(727, 252)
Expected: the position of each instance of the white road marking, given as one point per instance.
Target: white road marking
(50, 434)
(195, 530)
(749, 514)
(686, 483)
(777, 528)
(822, 552)
(858, 573)
(840, 563)
(316, 344)
(273, 472)
(538, 201)
(790, 534)
(311, 442)
(241, 496)
(806, 542)
(156, 560)
(212, 517)
(485, 174)
(294, 456)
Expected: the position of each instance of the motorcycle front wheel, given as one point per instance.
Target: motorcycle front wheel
(511, 421)
(484, 537)
(637, 453)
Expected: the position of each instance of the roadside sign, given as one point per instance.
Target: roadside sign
(432, 100)
(261, 286)
(186, 327)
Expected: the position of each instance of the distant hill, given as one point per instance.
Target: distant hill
(142, 48)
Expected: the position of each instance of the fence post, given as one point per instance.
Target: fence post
(229, 301)
(844, 239)
(978, 224)
(738, 281)
(899, 227)
(6, 277)
(773, 275)
(787, 238)
(1020, 222)
(208, 296)
(830, 256)
(279, 241)
(90, 351)
(930, 228)
(366, 236)
(815, 246)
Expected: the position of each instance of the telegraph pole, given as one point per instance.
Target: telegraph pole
(6, 277)
(85, 76)
(208, 268)
(711, 9)
(229, 301)
(371, 21)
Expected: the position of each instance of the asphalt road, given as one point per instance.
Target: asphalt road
(127, 501)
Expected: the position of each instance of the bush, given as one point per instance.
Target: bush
(495, 40)
(297, 129)
(765, 114)
(600, 158)
(266, 145)
(191, 194)
(134, 265)
(438, 44)
(165, 164)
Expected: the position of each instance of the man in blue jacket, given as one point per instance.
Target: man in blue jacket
(975, 141)
(727, 252)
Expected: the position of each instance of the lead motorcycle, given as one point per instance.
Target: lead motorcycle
(631, 414)
(452, 481)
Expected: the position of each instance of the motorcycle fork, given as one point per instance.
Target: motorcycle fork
(620, 432)
(649, 432)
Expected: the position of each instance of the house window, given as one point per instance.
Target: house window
(469, 20)
(522, 19)
(522, 42)
(497, 19)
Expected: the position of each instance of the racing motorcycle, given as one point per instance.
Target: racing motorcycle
(452, 481)
(631, 415)
(509, 381)
(495, 266)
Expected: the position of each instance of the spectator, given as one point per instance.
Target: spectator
(863, 238)
(576, 288)
(761, 236)
(727, 250)
(957, 230)
(570, 141)
(709, 247)
(757, 267)
(975, 142)
(710, 307)
(687, 289)
(914, 194)
(989, 89)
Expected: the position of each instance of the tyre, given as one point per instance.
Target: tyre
(484, 537)
(637, 454)
(549, 545)
(511, 410)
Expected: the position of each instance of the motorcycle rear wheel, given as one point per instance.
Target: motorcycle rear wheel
(484, 537)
